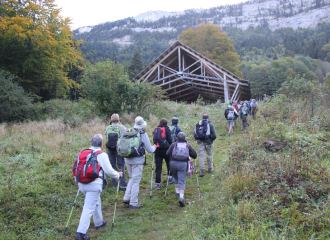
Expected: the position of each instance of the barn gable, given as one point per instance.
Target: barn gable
(185, 74)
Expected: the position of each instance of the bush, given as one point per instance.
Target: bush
(15, 103)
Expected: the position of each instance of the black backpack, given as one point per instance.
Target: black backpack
(159, 137)
(202, 129)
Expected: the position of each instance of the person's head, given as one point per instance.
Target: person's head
(114, 118)
(97, 140)
(244, 105)
(175, 120)
(241, 102)
(139, 123)
(205, 116)
(163, 121)
(181, 137)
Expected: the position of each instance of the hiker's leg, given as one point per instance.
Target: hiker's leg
(174, 171)
(121, 166)
(92, 194)
(159, 165)
(201, 153)
(167, 160)
(128, 191)
(208, 148)
(112, 157)
(136, 178)
(182, 173)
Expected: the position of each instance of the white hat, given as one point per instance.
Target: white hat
(139, 122)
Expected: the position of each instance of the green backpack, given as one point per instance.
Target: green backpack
(113, 133)
(129, 144)
(173, 133)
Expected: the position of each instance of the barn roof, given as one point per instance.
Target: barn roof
(185, 74)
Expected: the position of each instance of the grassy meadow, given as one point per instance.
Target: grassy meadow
(252, 194)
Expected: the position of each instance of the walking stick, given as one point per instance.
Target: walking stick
(152, 173)
(74, 203)
(114, 212)
(199, 194)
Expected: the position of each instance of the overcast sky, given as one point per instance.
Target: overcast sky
(92, 12)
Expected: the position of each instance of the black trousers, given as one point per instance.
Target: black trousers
(160, 154)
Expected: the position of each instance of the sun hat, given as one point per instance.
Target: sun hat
(139, 122)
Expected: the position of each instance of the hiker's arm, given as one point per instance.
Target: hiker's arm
(106, 166)
(192, 152)
(170, 150)
(147, 144)
(168, 135)
(178, 129)
(213, 132)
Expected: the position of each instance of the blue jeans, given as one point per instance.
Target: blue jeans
(116, 160)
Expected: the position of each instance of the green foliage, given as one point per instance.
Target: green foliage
(136, 65)
(208, 40)
(37, 46)
(15, 103)
(108, 86)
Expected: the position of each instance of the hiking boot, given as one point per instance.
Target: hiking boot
(126, 201)
(158, 186)
(123, 187)
(177, 194)
(210, 171)
(201, 173)
(81, 236)
(104, 223)
(181, 202)
(137, 206)
(170, 179)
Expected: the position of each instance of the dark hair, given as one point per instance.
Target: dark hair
(163, 121)
(205, 116)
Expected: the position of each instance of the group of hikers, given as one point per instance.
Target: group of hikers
(243, 110)
(127, 146)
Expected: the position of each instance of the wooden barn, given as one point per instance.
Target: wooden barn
(185, 74)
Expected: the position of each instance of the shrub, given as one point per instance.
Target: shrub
(15, 103)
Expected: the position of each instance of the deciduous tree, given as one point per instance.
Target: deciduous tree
(37, 46)
(208, 40)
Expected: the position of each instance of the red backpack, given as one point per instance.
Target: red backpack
(86, 168)
(159, 137)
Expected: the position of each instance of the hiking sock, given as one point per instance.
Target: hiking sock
(181, 195)
(176, 190)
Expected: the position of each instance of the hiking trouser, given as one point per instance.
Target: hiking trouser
(204, 149)
(92, 206)
(179, 173)
(116, 160)
(244, 122)
(160, 154)
(133, 186)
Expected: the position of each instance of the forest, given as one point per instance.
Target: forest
(59, 88)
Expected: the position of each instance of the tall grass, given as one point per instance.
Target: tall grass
(252, 194)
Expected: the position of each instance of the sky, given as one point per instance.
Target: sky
(92, 12)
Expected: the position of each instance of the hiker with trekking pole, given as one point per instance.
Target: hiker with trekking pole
(89, 169)
(179, 153)
(163, 139)
(205, 134)
(132, 145)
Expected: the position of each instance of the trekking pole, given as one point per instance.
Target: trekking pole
(212, 151)
(114, 212)
(152, 173)
(199, 194)
(166, 186)
(74, 203)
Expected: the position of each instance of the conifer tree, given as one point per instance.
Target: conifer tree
(136, 65)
